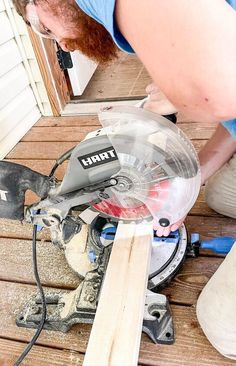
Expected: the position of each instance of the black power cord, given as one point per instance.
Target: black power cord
(61, 160)
(44, 306)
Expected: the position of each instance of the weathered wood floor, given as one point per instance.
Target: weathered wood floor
(45, 142)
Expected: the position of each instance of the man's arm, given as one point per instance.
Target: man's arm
(217, 151)
(189, 49)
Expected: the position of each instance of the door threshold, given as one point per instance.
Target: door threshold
(93, 108)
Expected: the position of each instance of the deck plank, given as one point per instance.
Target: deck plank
(201, 131)
(52, 134)
(208, 228)
(53, 150)
(54, 270)
(72, 121)
(197, 130)
(10, 351)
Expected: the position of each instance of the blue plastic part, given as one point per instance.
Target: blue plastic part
(39, 228)
(92, 256)
(37, 212)
(220, 245)
(109, 234)
(172, 238)
(195, 238)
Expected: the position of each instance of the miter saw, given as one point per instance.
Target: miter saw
(138, 167)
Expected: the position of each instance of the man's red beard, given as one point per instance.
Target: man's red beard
(93, 40)
(88, 36)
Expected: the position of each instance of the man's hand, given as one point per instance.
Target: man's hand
(165, 231)
(157, 101)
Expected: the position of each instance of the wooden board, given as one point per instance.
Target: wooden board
(10, 351)
(77, 121)
(39, 134)
(77, 133)
(49, 150)
(116, 332)
(201, 131)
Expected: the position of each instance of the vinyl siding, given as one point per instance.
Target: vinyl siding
(20, 102)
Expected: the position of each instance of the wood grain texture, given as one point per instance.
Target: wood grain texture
(48, 150)
(10, 351)
(190, 280)
(54, 270)
(116, 332)
(53, 134)
(78, 133)
(194, 130)
(72, 121)
(53, 77)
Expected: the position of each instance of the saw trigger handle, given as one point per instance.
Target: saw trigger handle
(15, 180)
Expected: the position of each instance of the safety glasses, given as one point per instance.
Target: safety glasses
(36, 24)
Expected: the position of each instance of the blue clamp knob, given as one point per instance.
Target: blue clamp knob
(220, 245)
(109, 233)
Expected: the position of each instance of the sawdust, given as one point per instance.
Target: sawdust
(16, 263)
(76, 253)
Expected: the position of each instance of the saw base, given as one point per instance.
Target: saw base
(66, 308)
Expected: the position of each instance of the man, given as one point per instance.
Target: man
(189, 49)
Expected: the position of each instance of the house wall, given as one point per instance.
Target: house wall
(23, 98)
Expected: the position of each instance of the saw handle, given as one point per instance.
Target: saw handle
(15, 180)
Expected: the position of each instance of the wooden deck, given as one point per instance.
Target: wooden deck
(45, 142)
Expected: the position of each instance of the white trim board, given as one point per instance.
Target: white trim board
(94, 107)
